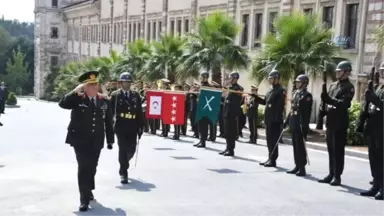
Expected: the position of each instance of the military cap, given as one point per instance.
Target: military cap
(234, 75)
(126, 77)
(274, 74)
(254, 87)
(89, 77)
(302, 78)
(381, 66)
(344, 66)
(165, 81)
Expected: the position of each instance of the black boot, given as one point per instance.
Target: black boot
(201, 145)
(197, 144)
(84, 201)
(327, 179)
(223, 152)
(301, 172)
(371, 192)
(336, 181)
(270, 164)
(263, 163)
(293, 171)
(229, 153)
(124, 179)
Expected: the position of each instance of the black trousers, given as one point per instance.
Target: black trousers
(146, 123)
(165, 129)
(231, 133)
(87, 160)
(242, 120)
(212, 131)
(273, 131)
(177, 129)
(127, 147)
(299, 152)
(2, 105)
(203, 129)
(375, 153)
(152, 125)
(192, 117)
(252, 123)
(184, 126)
(336, 141)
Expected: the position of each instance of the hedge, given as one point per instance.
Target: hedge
(11, 100)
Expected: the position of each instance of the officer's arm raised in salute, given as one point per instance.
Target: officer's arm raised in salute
(72, 99)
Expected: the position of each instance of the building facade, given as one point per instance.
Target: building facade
(75, 30)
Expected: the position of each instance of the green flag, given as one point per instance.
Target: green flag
(209, 105)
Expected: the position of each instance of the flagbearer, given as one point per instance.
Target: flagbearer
(91, 122)
(187, 109)
(203, 122)
(164, 85)
(127, 110)
(298, 121)
(252, 114)
(177, 128)
(232, 110)
(213, 126)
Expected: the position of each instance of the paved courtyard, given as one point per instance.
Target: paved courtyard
(38, 176)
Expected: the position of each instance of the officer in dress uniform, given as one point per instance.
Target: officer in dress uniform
(91, 121)
(337, 100)
(373, 131)
(153, 123)
(273, 116)
(204, 122)
(298, 121)
(213, 126)
(221, 117)
(165, 127)
(193, 110)
(128, 114)
(177, 128)
(252, 114)
(187, 108)
(231, 112)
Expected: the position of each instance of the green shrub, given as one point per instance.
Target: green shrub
(12, 100)
(260, 117)
(354, 138)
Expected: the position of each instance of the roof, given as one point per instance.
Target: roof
(79, 2)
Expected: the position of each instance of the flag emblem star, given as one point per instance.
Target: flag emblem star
(173, 119)
(174, 98)
(173, 112)
(174, 105)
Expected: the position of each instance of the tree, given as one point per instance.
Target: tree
(5, 39)
(301, 43)
(16, 72)
(212, 47)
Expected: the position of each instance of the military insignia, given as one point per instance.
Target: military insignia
(83, 105)
(104, 107)
(103, 116)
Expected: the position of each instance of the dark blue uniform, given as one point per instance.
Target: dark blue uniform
(252, 114)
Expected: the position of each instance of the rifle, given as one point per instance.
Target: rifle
(364, 113)
(320, 117)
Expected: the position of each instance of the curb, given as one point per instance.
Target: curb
(12, 106)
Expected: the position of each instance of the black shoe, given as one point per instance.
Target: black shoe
(301, 172)
(124, 179)
(223, 152)
(196, 136)
(83, 207)
(229, 154)
(263, 163)
(175, 138)
(371, 192)
(197, 144)
(293, 171)
(327, 179)
(336, 181)
(379, 196)
(270, 164)
(201, 145)
(1, 124)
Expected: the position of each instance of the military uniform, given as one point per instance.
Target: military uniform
(204, 122)
(337, 100)
(91, 122)
(298, 121)
(3, 97)
(241, 119)
(153, 123)
(232, 110)
(165, 127)
(177, 128)
(187, 108)
(192, 114)
(221, 117)
(252, 114)
(127, 110)
(273, 118)
(213, 125)
(373, 132)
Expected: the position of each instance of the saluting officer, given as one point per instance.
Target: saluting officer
(273, 116)
(232, 110)
(252, 114)
(203, 123)
(128, 115)
(213, 126)
(187, 108)
(337, 100)
(374, 132)
(91, 121)
(298, 120)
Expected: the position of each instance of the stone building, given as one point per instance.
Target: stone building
(74, 30)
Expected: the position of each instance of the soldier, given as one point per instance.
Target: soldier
(231, 112)
(177, 128)
(128, 115)
(153, 123)
(213, 126)
(298, 121)
(193, 110)
(221, 116)
(3, 97)
(374, 133)
(203, 122)
(273, 116)
(144, 106)
(165, 127)
(252, 114)
(187, 108)
(91, 120)
(337, 100)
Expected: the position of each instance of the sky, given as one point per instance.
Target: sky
(21, 10)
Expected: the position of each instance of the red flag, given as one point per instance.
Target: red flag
(173, 108)
(154, 104)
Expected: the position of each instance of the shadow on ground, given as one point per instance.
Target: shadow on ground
(97, 209)
(138, 185)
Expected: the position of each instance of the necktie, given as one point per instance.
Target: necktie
(93, 102)
(126, 95)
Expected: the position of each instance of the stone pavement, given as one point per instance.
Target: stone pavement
(38, 176)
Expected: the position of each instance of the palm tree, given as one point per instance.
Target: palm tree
(164, 60)
(212, 48)
(301, 43)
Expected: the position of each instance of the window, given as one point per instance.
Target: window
(148, 31)
(54, 61)
(328, 16)
(54, 32)
(351, 25)
(272, 17)
(308, 11)
(54, 3)
(129, 32)
(154, 31)
(179, 27)
(134, 32)
(186, 25)
(258, 29)
(244, 33)
(172, 28)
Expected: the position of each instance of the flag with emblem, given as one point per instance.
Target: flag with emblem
(173, 108)
(209, 104)
(154, 104)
